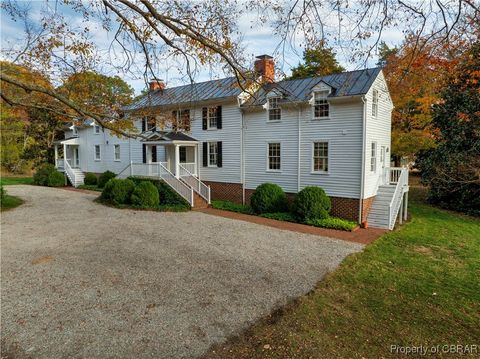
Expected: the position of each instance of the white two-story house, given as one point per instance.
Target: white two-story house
(215, 141)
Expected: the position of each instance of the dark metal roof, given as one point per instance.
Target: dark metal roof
(202, 91)
(161, 136)
(350, 83)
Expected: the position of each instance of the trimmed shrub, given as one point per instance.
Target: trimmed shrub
(333, 223)
(311, 203)
(168, 196)
(104, 178)
(145, 194)
(56, 179)
(90, 179)
(43, 172)
(231, 206)
(269, 198)
(280, 216)
(118, 191)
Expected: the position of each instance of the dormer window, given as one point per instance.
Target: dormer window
(274, 110)
(96, 129)
(75, 130)
(321, 107)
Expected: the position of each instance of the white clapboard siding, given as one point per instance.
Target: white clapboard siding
(378, 129)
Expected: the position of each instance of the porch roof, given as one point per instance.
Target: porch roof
(159, 137)
(67, 141)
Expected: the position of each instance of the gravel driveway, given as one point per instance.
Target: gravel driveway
(83, 280)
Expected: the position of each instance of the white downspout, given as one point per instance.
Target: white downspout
(299, 149)
(364, 149)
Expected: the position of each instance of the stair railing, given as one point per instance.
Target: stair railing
(198, 186)
(401, 179)
(70, 173)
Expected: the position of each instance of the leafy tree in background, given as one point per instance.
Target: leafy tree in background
(452, 169)
(317, 62)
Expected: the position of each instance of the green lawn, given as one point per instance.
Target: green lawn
(9, 202)
(417, 285)
(15, 180)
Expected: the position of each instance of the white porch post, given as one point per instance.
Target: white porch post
(177, 161)
(64, 154)
(400, 215)
(195, 156)
(405, 200)
(56, 155)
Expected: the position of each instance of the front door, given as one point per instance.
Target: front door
(76, 157)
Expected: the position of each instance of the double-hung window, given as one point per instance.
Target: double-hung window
(374, 103)
(96, 129)
(320, 157)
(274, 110)
(212, 117)
(321, 107)
(274, 156)
(373, 157)
(212, 154)
(116, 152)
(98, 154)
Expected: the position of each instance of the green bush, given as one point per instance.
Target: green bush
(311, 203)
(43, 172)
(145, 194)
(104, 178)
(56, 179)
(233, 207)
(2, 192)
(333, 223)
(118, 191)
(168, 197)
(90, 179)
(280, 216)
(268, 198)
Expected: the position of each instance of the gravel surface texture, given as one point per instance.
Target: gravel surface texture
(79, 279)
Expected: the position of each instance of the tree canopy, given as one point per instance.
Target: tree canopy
(320, 61)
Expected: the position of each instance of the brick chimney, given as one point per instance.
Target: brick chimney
(265, 68)
(156, 85)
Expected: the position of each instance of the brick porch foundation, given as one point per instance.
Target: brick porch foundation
(225, 191)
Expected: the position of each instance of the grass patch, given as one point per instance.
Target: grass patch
(417, 285)
(91, 187)
(9, 202)
(334, 223)
(6, 181)
(233, 207)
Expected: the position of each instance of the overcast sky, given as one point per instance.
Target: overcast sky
(257, 40)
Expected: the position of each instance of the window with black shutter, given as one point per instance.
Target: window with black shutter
(154, 153)
(219, 154)
(144, 153)
(205, 154)
(219, 117)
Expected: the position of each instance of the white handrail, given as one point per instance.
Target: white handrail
(395, 203)
(70, 173)
(121, 175)
(198, 186)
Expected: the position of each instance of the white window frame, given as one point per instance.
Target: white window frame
(210, 117)
(216, 153)
(277, 100)
(321, 96)
(96, 129)
(375, 103)
(115, 158)
(373, 157)
(99, 158)
(313, 170)
(268, 169)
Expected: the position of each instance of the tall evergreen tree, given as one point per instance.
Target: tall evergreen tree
(320, 61)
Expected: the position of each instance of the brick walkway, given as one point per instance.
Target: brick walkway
(364, 236)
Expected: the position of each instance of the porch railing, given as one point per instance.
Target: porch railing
(70, 173)
(400, 176)
(59, 163)
(159, 170)
(190, 167)
(198, 186)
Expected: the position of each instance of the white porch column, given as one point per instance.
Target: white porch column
(405, 200)
(56, 155)
(177, 161)
(195, 156)
(65, 155)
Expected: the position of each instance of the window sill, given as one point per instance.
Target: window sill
(273, 171)
(97, 160)
(212, 166)
(117, 160)
(324, 173)
(212, 129)
(320, 118)
(273, 121)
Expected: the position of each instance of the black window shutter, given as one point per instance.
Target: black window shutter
(144, 153)
(219, 155)
(143, 124)
(205, 154)
(219, 117)
(154, 153)
(204, 118)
